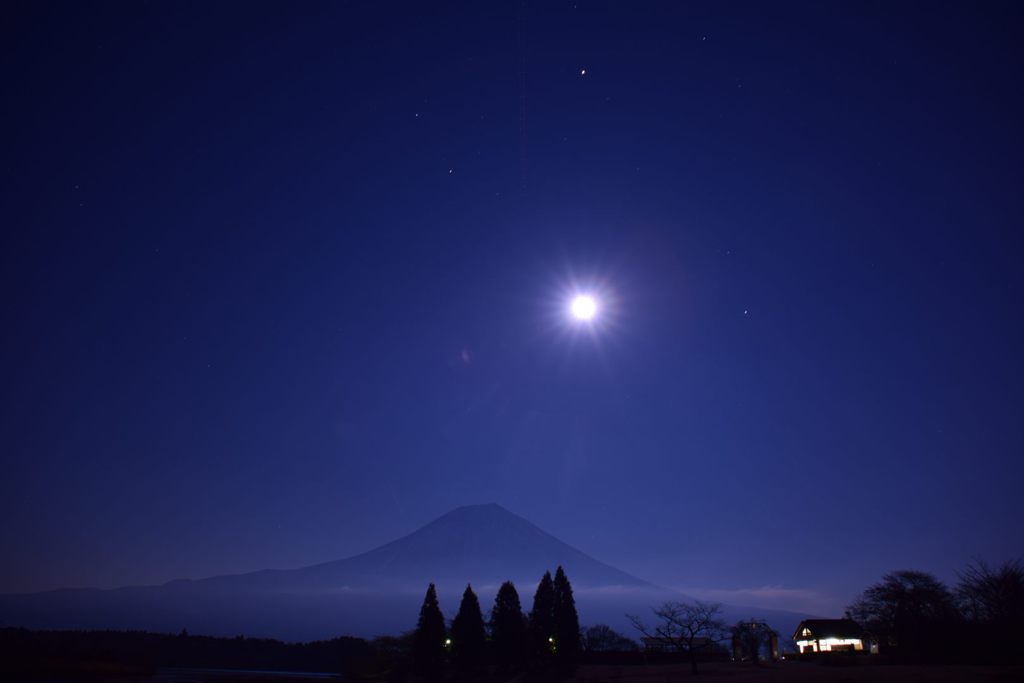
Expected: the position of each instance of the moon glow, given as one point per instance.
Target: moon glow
(583, 307)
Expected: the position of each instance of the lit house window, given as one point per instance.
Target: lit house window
(829, 635)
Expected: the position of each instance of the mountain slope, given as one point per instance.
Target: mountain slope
(483, 544)
(374, 592)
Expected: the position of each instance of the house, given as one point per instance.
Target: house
(829, 635)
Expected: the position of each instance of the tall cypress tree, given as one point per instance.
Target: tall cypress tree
(567, 621)
(508, 627)
(542, 620)
(468, 636)
(428, 642)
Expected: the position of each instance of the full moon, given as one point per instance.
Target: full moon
(583, 307)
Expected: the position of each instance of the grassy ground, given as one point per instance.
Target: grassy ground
(799, 672)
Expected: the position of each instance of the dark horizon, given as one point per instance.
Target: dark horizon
(283, 284)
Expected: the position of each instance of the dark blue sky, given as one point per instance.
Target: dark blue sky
(282, 282)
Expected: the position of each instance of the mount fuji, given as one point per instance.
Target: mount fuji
(376, 592)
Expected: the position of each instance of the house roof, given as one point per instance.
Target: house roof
(829, 628)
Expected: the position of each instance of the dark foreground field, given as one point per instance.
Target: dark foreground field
(783, 672)
(799, 672)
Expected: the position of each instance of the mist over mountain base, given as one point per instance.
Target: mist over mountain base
(375, 593)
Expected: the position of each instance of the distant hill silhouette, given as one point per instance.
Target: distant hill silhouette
(371, 593)
(485, 544)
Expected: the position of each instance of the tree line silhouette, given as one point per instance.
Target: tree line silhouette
(915, 617)
(109, 654)
(548, 638)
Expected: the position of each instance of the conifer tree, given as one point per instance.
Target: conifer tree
(508, 627)
(468, 636)
(429, 640)
(542, 620)
(567, 621)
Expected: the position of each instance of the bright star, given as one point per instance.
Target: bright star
(583, 307)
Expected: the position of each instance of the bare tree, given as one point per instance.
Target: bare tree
(992, 595)
(690, 627)
(992, 602)
(910, 611)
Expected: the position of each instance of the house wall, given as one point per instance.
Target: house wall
(826, 644)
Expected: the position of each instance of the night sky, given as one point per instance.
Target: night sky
(283, 282)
